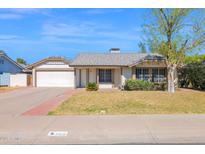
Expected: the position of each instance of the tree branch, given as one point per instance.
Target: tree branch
(165, 17)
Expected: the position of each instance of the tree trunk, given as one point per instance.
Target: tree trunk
(171, 79)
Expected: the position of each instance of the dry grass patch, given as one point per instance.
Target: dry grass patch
(133, 102)
(5, 89)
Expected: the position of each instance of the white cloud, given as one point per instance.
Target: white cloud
(54, 39)
(62, 29)
(23, 10)
(120, 35)
(10, 16)
(88, 30)
(102, 11)
(8, 37)
(21, 13)
(27, 11)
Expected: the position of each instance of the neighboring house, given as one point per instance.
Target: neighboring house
(7, 68)
(111, 70)
(52, 72)
(7, 65)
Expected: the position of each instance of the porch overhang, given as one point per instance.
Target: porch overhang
(98, 66)
(149, 63)
(86, 74)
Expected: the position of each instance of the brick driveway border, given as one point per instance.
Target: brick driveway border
(50, 104)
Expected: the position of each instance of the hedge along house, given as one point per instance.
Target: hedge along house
(111, 70)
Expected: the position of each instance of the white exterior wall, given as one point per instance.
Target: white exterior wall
(53, 66)
(105, 85)
(117, 76)
(92, 75)
(18, 80)
(126, 74)
(34, 77)
(77, 77)
(83, 77)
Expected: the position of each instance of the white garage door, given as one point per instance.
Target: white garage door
(55, 79)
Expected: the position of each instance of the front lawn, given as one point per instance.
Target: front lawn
(133, 102)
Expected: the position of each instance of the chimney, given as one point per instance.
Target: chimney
(115, 50)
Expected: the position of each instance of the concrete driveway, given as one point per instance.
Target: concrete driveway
(19, 101)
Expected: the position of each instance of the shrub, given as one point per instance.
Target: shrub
(92, 86)
(160, 86)
(192, 75)
(133, 84)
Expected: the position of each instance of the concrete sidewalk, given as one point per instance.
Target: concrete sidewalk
(142, 129)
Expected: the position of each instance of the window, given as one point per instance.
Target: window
(142, 73)
(162, 75)
(158, 75)
(105, 75)
(155, 75)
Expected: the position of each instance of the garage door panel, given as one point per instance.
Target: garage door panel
(55, 79)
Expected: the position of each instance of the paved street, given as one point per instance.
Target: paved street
(145, 129)
(16, 128)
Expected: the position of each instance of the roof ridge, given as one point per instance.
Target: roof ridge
(113, 53)
(10, 59)
(109, 59)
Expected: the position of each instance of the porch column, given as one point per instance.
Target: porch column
(87, 76)
(80, 78)
(121, 76)
(97, 76)
(113, 76)
(34, 77)
(75, 84)
(150, 74)
(133, 72)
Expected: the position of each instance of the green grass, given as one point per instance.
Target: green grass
(133, 102)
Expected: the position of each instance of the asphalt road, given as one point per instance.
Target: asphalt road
(144, 129)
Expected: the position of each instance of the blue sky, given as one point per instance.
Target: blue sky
(34, 34)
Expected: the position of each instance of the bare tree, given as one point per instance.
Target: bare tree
(142, 47)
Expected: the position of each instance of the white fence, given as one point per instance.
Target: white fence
(18, 80)
(5, 79)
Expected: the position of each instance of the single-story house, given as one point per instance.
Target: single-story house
(111, 70)
(108, 70)
(52, 72)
